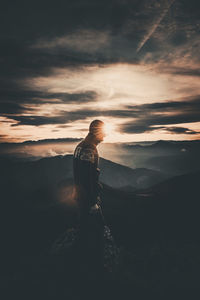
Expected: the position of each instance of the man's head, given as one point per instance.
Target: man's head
(97, 130)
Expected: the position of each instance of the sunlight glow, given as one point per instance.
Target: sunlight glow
(109, 129)
(114, 88)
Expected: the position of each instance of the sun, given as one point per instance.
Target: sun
(109, 129)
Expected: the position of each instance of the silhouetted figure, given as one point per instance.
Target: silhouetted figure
(90, 242)
(87, 187)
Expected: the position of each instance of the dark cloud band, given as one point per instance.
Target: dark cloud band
(181, 130)
(155, 116)
(15, 102)
(145, 117)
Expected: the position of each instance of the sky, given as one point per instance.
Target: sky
(133, 64)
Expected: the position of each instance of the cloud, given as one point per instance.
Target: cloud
(37, 148)
(13, 108)
(20, 95)
(80, 34)
(155, 25)
(90, 32)
(192, 71)
(51, 141)
(145, 117)
(63, 117)
(83, 40)
(181, 130)
(154, 116)
(19, 101)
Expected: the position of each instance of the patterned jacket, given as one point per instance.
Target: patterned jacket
(86, 174)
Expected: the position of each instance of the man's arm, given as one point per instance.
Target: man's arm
(89, 174)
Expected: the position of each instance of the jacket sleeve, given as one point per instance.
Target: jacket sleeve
(90, 175)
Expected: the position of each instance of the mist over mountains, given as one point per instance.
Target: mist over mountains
(172, 157)
(169, 157)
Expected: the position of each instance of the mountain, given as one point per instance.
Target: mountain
(165, 213)
(35, 175)
(184, 162)
(156, 228)
(46, 185)
(168, 157)
(118, 176)
(170, 208)
(176, 205)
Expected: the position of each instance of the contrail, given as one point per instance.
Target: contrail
(147, 37)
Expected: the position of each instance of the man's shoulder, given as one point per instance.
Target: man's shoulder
(85, 152)
(85, 146)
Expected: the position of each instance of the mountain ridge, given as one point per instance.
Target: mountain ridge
(60, 167)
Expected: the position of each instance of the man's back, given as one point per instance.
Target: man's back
(86, 173)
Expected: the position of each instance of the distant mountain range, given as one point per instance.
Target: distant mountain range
(168, 157)
(33, 175)
(118, 176)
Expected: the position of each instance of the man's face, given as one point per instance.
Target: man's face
(101, 135)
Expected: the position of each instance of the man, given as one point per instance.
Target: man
(91, 242)
(87, 187)
(85, 167)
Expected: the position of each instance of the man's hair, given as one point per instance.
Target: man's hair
(96, 127)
